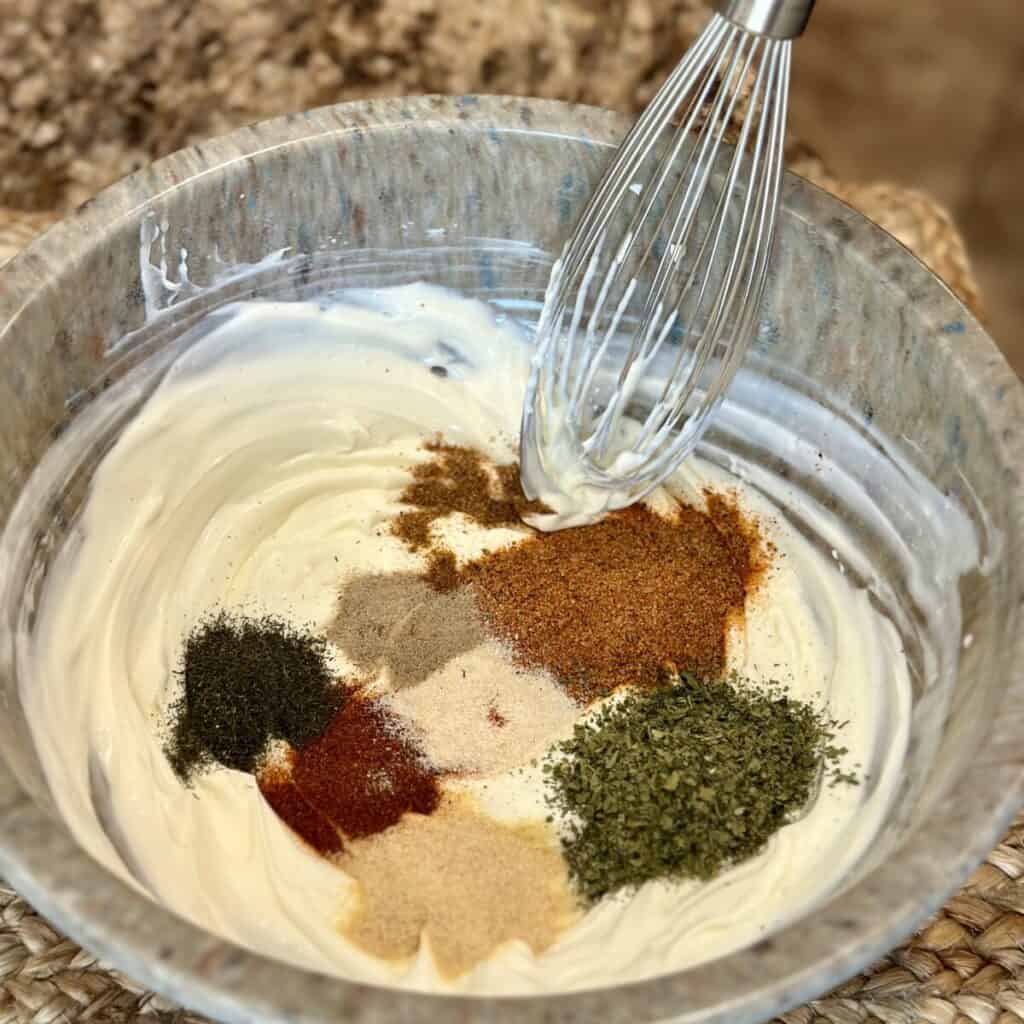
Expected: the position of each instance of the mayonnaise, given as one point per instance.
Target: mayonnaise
(271, 454)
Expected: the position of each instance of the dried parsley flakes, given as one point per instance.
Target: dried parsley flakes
(682, 781)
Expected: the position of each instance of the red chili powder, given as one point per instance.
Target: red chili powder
(296, 812)
(364, 772)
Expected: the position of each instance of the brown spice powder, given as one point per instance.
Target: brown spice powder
(741, 535)
(607, 605)
(457, 480)
(466, 882)
(442, 573)
(599, 606)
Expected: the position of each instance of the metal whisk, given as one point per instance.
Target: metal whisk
(655, 299)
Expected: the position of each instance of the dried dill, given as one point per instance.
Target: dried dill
(683, 781)
(245, 682)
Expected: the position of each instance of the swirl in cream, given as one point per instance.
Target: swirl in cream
(273, 450)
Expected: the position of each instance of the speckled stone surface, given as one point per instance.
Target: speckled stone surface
(900, 354)
(90, 90)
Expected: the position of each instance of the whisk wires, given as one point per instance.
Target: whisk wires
(655, 299)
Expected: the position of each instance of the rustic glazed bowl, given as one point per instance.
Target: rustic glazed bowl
(893, 388)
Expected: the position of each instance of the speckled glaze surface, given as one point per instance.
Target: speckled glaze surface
(482, 191)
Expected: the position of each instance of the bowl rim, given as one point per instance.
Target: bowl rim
(185, 963)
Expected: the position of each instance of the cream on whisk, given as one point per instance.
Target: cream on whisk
(664, 271)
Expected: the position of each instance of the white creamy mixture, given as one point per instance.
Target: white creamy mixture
(268, 460)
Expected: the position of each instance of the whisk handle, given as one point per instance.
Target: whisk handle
(778, 19)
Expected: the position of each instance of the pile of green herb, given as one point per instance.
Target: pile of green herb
(245, 682)
(682, 781)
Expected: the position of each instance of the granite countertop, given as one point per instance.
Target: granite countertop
(90, 90)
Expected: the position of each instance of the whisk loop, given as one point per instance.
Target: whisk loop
(654, 301)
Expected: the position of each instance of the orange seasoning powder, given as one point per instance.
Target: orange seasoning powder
(608, 605)
(599, 606)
